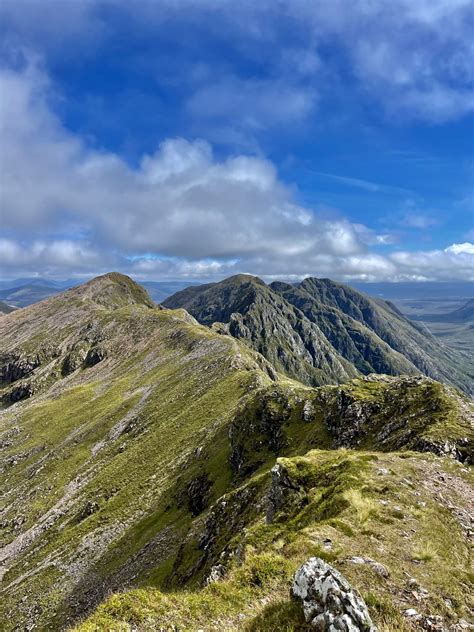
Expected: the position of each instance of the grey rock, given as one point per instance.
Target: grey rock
(218, 571)
(308, 411)
(281, 492)
(330, 604)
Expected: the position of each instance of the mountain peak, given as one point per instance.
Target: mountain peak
(113, 290)
(237, 279)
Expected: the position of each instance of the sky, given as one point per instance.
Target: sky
(194, 140)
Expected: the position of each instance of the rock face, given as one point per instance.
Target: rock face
(329, 602)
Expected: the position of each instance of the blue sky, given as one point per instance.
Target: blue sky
(196, 140)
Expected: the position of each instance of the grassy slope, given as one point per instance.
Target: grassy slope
(154, 465)
(395, 508)
(104, 445)
(377, 506)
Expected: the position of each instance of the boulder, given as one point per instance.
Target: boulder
(330, 604)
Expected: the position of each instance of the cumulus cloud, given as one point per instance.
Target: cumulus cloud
(178, 200)
(455, 261)
(69, 209)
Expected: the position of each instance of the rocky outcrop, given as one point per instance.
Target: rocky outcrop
(408, 412)
(18, 367)
(94, 356)
(22, 391)
(330, 604)
(74, 360)
(282, 490)
(257, 431)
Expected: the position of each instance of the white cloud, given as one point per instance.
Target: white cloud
(454, 262)
(55, 257)
(180, 212)
(465, 248)
(180, 200)
(414, 58)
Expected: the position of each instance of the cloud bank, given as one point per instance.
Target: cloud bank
(69, 209)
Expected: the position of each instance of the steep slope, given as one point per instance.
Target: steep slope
(279, 321)
(396, 523)
(410, 339)
(251, 311)
(354, 340)
(116, 397)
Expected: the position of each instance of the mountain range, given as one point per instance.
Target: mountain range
(320, 331)
(171, 467)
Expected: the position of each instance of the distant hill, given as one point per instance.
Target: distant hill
(422, 290)
(319, 330)
(24, 295)
(5, 308)
(464, 314)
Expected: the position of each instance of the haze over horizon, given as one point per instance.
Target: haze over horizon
(170, 141)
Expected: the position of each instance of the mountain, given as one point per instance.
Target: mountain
(29, 293)
(160, 475)
(320, 320)
(462, 315)
(279, 331)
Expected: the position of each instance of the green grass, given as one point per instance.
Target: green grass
(254, 594)
(203, 417)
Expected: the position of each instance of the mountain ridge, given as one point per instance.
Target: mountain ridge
(161, 474)
(371, 334)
